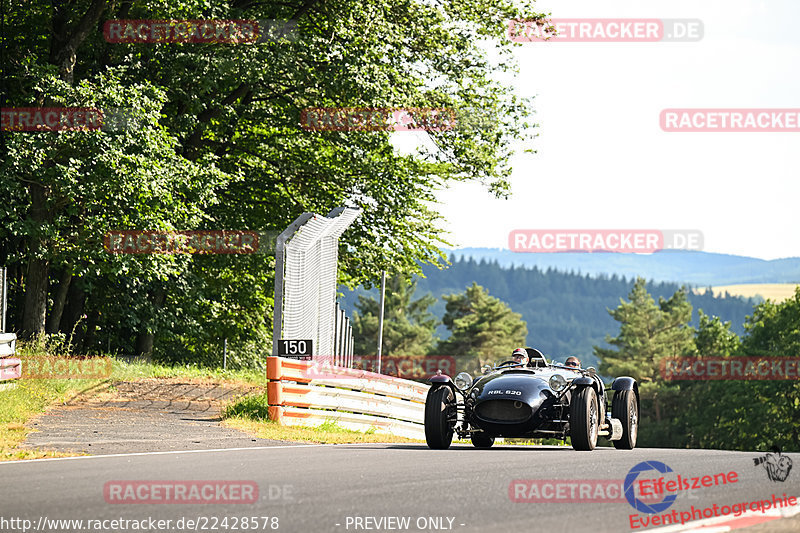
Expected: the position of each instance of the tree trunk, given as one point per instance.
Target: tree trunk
(59, 300)
(37, 276)
(35, 311)
(68, 36)
(146, 338)
(73, 311)
(91, 329)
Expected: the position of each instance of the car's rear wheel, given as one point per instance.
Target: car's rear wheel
(625, 407)
(440, 412)
(583, 419)
(482, 440)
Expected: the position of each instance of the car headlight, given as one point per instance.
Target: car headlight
(463, 380)
(557, 382)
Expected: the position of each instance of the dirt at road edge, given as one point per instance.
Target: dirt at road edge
(143, 416)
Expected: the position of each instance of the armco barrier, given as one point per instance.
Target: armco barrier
(305, 393)
(10, 367)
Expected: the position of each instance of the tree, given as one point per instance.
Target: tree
(648, 333)
(223, 149)
(714, 337)
(745, 415)
(702, 410)
(481, 325)
(769, 411)
(408, 326)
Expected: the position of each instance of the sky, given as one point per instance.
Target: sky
(602, 160)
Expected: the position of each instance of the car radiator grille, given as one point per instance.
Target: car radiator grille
(508, 411)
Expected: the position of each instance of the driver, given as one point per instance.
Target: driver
(572, 361)
(520, 355)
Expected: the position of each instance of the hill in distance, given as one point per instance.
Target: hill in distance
(566, 313)
(678, 266)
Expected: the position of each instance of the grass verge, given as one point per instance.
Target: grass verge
(250, 414)
(137, 370)
(25, 400)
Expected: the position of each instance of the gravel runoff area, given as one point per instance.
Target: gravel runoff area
(142, 416)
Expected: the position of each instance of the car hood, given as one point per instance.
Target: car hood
(523, 385)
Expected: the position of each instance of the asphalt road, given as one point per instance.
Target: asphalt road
(326, 488)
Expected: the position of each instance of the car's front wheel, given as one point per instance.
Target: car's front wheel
(583, 419)
(625, 407)
(440, 413)
(482, 440)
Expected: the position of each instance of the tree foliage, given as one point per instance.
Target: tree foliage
(218, 145)
(648, 333)
(481, 325)
(726, 414)
(408, 327)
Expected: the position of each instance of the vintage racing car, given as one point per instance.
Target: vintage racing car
(537, 400)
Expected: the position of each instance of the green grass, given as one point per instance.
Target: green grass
(29, 397)
(327, 433)
(251, 407)
(251, 414)
(124, 371)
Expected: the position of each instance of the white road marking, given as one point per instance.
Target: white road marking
(184, 451)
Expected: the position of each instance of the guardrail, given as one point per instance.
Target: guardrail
(10, 367)
(304, 393)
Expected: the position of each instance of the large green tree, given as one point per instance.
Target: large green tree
(769, 411)
(408, 327)
(221, 147)
(648, 333)
(481, 325)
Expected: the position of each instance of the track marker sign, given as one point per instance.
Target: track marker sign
(296, 349)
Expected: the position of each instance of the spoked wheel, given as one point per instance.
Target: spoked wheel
(482, 440)
(440, 418)
(626, 409)
(584, 419)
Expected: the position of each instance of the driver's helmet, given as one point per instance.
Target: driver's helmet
(520, 355)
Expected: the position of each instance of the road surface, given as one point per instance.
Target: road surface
(374, 487)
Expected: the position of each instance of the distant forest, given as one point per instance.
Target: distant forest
(566, 313)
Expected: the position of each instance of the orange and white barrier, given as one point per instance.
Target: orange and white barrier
(10, 366)
(306, 393)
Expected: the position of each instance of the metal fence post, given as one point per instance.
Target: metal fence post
(380, 319)
(3, 299)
